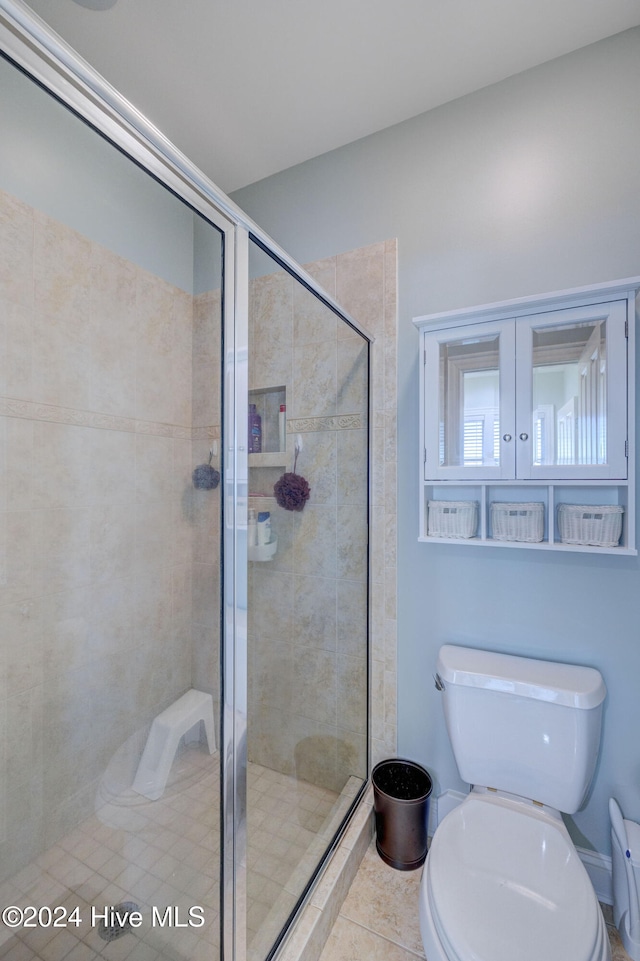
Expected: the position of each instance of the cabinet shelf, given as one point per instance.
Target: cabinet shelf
(541, 546)
(531, 402)
(550, 495)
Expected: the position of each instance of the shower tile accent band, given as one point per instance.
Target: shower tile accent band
(27, 410)
(301, 425)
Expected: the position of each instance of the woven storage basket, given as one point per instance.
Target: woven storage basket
(517, 522)
(452, 518)
(598, 526)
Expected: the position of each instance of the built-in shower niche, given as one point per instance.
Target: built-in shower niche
(268, 401)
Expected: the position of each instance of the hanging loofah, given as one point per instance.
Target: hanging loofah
(205, 477)
(292, 490)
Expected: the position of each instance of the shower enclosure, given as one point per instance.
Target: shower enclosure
(183, 606)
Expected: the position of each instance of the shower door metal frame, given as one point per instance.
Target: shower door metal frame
(28, 42)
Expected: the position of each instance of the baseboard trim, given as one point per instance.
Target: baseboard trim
(599, 869)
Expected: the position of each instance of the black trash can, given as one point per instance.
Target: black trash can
(401, 792)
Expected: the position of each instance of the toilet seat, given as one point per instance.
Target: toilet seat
(503, 880)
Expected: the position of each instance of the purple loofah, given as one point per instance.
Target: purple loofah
(291, 491)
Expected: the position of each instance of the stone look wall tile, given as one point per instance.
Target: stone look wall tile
(352, 373)
(324, 272)
(390, 487)
(390, 375)
(360, 286)
(112, 320)
(352, 692)
(115, 342)
(390, 593)
(98, 519)
(378, 468)
(377, 573)
(16, 355)
(320, 457)
(16, 250)
(315, 684)
(352, 458)
(313, 323)
(270, 615)
(22, 663)
(182, 353)
(351, 634)
(315, 541)
(315, 606)
(377, 700)
(61, 274)
(390, 541)
(390, 645)
(154, 350)
(271, 313)
(352, 543)
(314, 380)
(324, 545)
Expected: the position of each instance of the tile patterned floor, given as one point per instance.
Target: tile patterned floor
(379, 917)
(166, 852)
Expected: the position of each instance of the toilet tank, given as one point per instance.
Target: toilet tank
(528, 727)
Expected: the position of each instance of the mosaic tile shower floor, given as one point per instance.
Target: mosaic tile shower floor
(165, 853)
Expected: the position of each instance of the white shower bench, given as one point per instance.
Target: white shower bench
(178, 720)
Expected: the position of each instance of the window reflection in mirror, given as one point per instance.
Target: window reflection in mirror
(570, 394)
(469, 422)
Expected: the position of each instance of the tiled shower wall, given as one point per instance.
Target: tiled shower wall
(109, 576)
(203, 507)
(364, 282)
(307, 606)
(98, 516)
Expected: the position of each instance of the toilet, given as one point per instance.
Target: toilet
(502, 879)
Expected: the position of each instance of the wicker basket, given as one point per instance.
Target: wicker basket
(598, 526)
(517, 522)
(452, 518)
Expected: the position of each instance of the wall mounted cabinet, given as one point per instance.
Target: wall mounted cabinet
(531, 401)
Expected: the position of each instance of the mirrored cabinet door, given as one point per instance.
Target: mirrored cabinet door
(571, 393)
(469, 402)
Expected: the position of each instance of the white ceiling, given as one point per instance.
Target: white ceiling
(250, 87)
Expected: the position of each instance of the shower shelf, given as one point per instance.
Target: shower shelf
(270, 458)
(268, 401)
(263, 552)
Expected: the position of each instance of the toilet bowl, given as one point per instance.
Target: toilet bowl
(503, 880)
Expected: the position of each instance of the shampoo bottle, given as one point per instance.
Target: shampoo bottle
(264, 528)
(255, 430)
(252, 528)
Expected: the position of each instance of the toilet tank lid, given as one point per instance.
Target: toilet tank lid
(570, 685)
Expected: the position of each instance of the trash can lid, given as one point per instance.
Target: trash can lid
(401, 779)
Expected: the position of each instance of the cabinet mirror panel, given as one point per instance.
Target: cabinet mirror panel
(569, 394)
(469, 422)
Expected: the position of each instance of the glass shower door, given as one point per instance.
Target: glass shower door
(114, 316)
(307, 544)
(110, 557)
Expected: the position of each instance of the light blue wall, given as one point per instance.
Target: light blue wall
(53, 161)
(527, 186)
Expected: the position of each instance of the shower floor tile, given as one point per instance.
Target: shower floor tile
(166, 853)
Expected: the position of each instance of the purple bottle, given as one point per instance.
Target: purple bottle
(255, 430)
